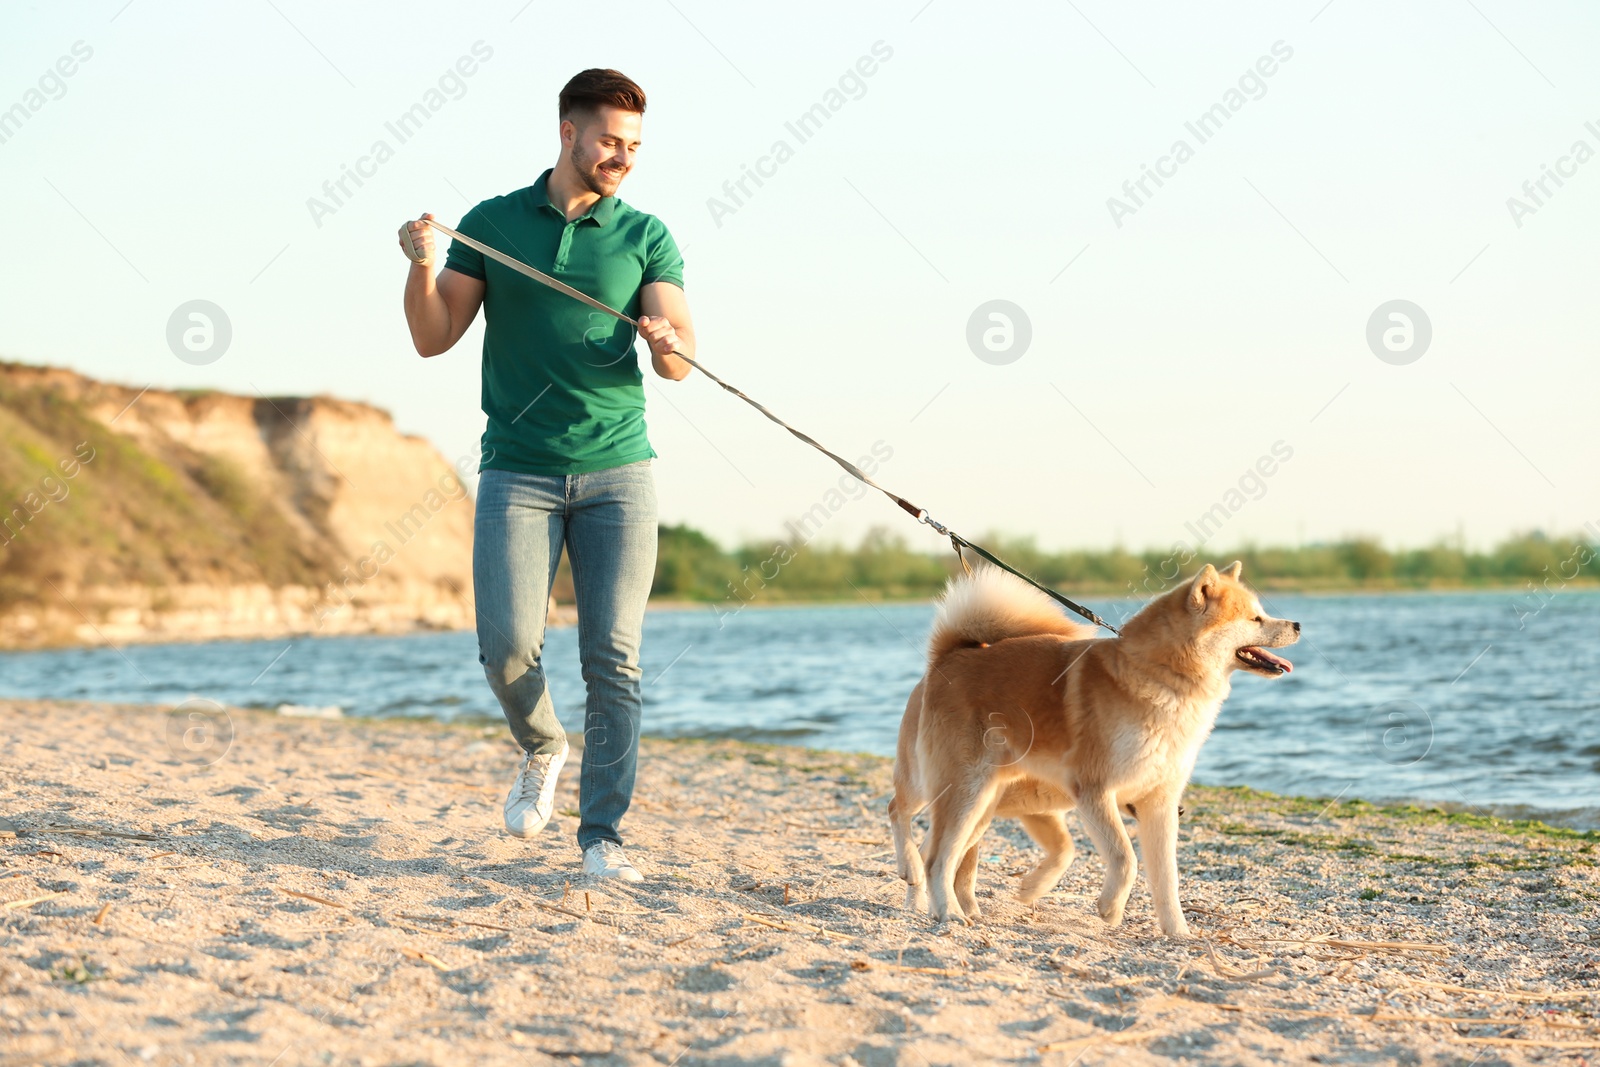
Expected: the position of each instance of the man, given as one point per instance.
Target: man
(566, 461)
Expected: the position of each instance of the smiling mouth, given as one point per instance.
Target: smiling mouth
(1263, 662)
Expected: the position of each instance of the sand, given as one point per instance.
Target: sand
(337, 892)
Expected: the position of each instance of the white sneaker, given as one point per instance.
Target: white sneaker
(605, 859)
(532, 799)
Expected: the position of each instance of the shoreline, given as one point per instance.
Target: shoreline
(1506, 817)
(341, 892)
(565, 615)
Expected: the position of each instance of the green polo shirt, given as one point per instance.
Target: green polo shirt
(561, 382)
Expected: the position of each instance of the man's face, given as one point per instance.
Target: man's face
(602, 146)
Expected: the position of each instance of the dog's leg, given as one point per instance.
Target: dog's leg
(1158, 846)
(907, 800)
(912, 869)
(938, 816)
(967, 872)
(967, 884)
(954, 814)
(1049, 832)
(1098, 810)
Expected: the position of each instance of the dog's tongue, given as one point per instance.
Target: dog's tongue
(1259, 655)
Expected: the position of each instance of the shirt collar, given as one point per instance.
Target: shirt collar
(600, 212)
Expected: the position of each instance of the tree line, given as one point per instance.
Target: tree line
(883, 565)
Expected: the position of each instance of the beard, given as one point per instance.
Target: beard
(600, 181)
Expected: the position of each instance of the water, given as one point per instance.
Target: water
(1433, 697)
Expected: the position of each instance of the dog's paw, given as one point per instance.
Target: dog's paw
(1037, 883)
(1110, 909)
(1172, 922)
(1032, 889)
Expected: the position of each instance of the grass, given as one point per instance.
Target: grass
(76, 972)
(1409, 813)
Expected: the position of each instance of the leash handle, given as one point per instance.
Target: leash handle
(920, 514)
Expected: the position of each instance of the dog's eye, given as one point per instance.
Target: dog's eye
(1258, 618)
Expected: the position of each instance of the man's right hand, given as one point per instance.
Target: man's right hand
(416, 240)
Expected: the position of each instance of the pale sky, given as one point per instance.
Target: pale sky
(1227, 314)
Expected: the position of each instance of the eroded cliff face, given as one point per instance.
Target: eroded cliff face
(156, 515)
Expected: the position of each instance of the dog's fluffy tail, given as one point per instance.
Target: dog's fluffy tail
(990, 605)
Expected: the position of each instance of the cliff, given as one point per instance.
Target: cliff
(129, 515)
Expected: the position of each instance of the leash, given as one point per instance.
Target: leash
(957, 542)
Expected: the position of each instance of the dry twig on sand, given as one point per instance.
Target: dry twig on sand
(453, 922)
(311, 897)
(90, 831)
(1224, 971)
(942, 972)
(426, 957)
(1119, 1037)
(1467, 1020)
(1524, 1042)
(799, 927)
(1336, 942)
(1505, 994)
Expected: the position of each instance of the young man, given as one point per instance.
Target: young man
(565, 458)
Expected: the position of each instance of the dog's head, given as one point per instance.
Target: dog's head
(1230, 629)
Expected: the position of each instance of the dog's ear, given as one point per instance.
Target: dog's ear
(1203, 588)
(1235, 569)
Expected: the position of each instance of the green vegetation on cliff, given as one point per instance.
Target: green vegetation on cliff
(84, 504)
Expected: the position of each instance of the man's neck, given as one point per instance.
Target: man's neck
(567, 194)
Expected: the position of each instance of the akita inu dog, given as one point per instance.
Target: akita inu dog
(1023, 713)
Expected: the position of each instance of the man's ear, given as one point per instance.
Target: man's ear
(1202, 588)
(1234, 570)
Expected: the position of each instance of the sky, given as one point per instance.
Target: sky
(1157, 351)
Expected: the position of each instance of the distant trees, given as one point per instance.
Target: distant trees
(691, 566)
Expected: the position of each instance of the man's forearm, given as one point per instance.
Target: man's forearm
(427, 314)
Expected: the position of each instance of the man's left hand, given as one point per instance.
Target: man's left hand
(658, 334)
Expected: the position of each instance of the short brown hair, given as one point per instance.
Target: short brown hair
(589, 90)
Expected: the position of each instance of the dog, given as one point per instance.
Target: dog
(1024, 714)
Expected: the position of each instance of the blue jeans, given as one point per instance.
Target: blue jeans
(607, 521)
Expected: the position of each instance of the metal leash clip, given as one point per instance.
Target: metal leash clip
(955, 538)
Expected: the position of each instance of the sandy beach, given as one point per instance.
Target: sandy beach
(261, 889)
